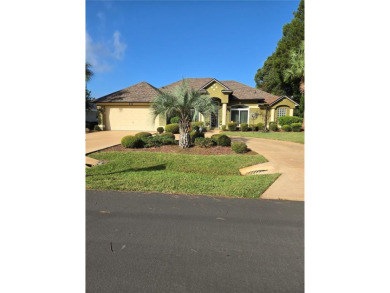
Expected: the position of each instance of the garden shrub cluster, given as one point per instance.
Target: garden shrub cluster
(204, 142)
(232, 126)
(239, 147)
(260, 126)
(286, 128)
(96, 128)
(160, 129)
(273, 126)
(196, 126)
(244, 127)
(156, 141)
(143, 134)
(221, 139)
(289, 120)
(296, 127)
(168, 135)
(131, 141)
(194, 134)
(223, 127)
(174, 128)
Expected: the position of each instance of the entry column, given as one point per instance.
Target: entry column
(224, 107)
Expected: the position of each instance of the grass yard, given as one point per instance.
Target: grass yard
(178, 173)
(298, 137)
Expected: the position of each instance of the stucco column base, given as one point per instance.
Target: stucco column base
(224, 108)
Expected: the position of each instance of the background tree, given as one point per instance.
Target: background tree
(88, 75)
(182, 102)
(270, 77)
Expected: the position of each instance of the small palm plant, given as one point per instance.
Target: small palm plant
(186, 103)
(297, 67)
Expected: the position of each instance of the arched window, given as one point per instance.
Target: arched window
(239, 114)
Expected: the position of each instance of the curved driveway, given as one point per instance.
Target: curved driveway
(284, 157)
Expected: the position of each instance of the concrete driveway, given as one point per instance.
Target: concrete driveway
(103, 139)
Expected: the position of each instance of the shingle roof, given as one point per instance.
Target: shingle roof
(141, 92)
(144, 92)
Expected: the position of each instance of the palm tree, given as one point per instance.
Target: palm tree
(186, 103)
(88, 76)
(297, 67)
(88, 72)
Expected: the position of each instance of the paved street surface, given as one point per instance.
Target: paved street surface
(137, 242)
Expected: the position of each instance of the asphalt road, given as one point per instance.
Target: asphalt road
(137, 242)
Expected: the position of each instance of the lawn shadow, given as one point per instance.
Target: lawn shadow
(151, 168)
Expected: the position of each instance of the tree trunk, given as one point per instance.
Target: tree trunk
(266, 120)
(184, 140)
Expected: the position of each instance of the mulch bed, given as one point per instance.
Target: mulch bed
(195, 150)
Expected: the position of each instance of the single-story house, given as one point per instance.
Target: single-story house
(129, 108)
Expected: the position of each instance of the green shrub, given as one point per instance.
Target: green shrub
(96, 128)
(143, 134)
(223, 127)
(232, 126)
(273, 126)
(174, 120)
(222, 140)
(214, 137)
(132, 142)
(244, 127)
(168, 135)
(156, 141)
(286, 128)
(296, 127)
(204, 142)
(197, 125)
(174, 128)
(253, 127)
(260, 126)
(288, 120)
(239, 147)
(160, 129)
(194, 134)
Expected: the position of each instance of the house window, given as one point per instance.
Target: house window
(282, 112)
(239, 114)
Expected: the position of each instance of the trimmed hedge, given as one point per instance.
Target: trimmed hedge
(160, 129)
(156, 141)
(221, 139)
(195, 134)
(288, 120)
(253, 127)
(143, 134)
(174, 128)
(239, 147)
(273, 126)
(223, 127)
(232, 126)
(244, 127)
(168, 135)
(296, 127)
(174, 120)
(260, 126)
(204, 142)
(132, 142)
(286, 128)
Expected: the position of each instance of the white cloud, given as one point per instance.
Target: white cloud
(101, 54)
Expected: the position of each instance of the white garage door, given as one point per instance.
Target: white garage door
(128, 118)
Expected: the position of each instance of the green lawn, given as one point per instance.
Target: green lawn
(178, 173)
(298, 137)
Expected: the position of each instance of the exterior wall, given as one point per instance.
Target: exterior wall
(215, 90)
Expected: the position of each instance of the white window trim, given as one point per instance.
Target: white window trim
(281, 108)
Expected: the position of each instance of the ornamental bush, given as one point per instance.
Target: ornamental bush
(174, 120)
(143, 134)
(232, 126)
(160, 129)
(156, 141)
(168, 135)
(244, 127)
(253, 127)
(286, 128)
(204, 142)
(194, 134)
(132, 142)
(273, 126)
(239, 147)
(222, 140)
(223, 127)
(96, 128)
(260, 126)
(174, 128)
(288, 120)
(296, 127)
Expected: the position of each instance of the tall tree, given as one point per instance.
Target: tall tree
(297, 67)
(88, 75)
(186, 103)
(270, 77)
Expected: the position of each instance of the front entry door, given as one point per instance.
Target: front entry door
(214, 120)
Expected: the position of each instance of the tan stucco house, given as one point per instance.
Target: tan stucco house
(129, 108)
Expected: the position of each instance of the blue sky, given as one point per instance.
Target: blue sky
(163, 41)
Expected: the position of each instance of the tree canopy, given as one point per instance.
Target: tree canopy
(88, 75)
(270, 77)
